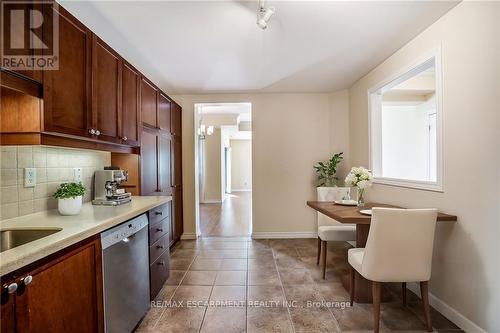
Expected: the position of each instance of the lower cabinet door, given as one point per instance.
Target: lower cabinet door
(159, 272)
(62, 295)
(8, 299)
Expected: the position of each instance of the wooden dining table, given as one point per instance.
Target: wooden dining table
(351, 215)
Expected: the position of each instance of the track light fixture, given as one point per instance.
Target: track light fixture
(264, 14)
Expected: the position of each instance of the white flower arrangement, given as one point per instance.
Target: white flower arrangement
(359, 177)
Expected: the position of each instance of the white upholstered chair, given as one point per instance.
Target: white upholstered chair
(328, 228)
(399, 249)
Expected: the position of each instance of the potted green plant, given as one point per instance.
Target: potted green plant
(69, 198)
(327, 171)
(327, 177)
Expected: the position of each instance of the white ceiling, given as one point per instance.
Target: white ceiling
(215, 46)
(244, 110)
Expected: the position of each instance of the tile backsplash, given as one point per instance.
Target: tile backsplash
(54, 165)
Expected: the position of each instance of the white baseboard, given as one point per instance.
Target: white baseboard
(453, 315)
(188, 236)
(241, 190)
(278, 235)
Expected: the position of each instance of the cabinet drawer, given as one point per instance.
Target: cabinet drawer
(159, 272)
(157, 249)
(159, 213)
(159, 229)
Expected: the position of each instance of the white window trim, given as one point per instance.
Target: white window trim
(436, 186)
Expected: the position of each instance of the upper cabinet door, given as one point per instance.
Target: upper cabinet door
(149, 162)
(164, 112)
(67, 90)
(164, 155)
(130, 105)
(176, 161)
(106, 91)
(176, 111)
(149, 103)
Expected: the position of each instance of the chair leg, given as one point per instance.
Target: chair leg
(403, 285)
(319, 251)
(376, 293)
(424, 291)
(351, 287)
(324, 258)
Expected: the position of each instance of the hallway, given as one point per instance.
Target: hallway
(228, 219)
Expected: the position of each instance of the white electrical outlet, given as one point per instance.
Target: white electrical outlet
(77, 174)
(29, 177)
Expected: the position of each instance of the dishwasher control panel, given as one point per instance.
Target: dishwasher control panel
(123, 231)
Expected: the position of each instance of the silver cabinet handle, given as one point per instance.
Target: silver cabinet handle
(11, 288)
(97, 132)
(159, 246)
(158, 213)
(92, 131)
(159, 229)
(124, 138)
(161, 263)
(27, 280)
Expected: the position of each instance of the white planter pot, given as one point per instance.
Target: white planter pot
(70, 206)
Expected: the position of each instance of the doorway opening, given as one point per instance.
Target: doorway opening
(223, 163)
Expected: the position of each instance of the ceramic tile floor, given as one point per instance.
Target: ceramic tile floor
(242, 285)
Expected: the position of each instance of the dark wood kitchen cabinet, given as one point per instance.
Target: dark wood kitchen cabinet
(149, 161)
(130, 105)
(66, 91)
(159, 240)
(61, 293)
(164, 157)
(149, 103)
(106, 92)
(164, 115)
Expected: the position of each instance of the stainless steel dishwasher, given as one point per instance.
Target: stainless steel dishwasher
(126, 274)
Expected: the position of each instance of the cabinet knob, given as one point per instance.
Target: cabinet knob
(97, 132)
(161, 263)
(159, 246)
(27, 279)
(92, 131)
(159, 229)
(158, 213)
(124, 138)
(11, 288)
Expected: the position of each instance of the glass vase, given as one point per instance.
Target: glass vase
(361, 199)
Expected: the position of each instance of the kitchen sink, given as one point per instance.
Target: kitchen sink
(10, 238)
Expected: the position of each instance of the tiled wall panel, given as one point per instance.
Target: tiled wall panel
(53, 165)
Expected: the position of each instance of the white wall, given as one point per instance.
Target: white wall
(291, 132)
(241, 165)
(466, 265)
(212, 190)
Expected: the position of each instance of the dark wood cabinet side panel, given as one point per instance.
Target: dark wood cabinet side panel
(149, 162)
(130, 105)
(67, 90)
(177, 226)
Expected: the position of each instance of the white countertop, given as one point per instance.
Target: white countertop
(91, 221)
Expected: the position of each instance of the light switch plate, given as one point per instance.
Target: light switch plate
(29, 177)
(77, 174)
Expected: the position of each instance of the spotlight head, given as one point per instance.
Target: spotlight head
(264, 16)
